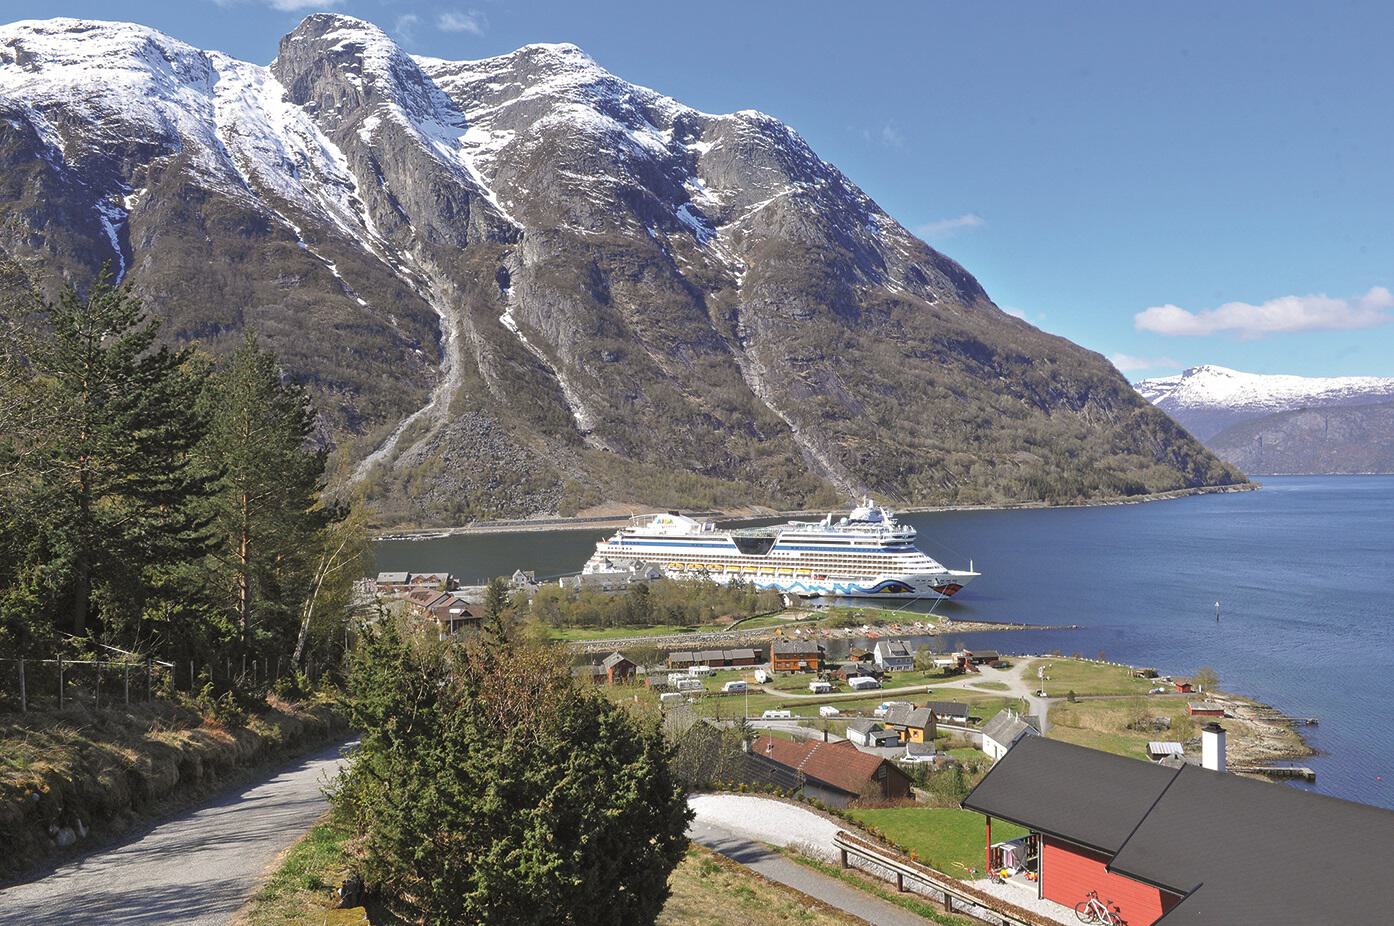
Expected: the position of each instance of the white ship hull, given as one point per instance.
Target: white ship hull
(865, 555)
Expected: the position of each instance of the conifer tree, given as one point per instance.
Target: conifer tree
(266, 509)
(99, 424)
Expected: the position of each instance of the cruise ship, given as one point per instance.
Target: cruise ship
(865, 554)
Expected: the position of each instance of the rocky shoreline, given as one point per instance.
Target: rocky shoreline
(800, 632)
(605, 522)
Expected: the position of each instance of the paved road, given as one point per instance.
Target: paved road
(741, 827)
(196, 869)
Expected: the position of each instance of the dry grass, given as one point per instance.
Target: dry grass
(105, 769)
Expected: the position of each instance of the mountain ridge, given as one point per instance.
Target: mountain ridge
(522, 285)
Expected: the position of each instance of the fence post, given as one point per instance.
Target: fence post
(149, 681)
(23, 691)
(97, 688)
(60, 681)
(126, 675)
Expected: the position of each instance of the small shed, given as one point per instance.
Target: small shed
(1205, 709)
(1183, 685)
(870, 733)
(1159, 750)
(618, 668)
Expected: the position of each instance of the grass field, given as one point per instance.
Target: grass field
(1087, 678)
(945, 838)
(1103, 724)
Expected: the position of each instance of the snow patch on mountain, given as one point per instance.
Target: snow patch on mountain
(1216, 386)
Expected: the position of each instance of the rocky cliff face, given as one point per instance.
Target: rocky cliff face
(522, 284)
(1346, 439)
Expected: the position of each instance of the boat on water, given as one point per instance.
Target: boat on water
(864, 554)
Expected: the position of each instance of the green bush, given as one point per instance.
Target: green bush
(490, 790)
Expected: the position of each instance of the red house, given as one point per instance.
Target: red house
(1205, 709)
(1183, 685)
(1189, 846)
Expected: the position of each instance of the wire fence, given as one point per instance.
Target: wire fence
(28, 684)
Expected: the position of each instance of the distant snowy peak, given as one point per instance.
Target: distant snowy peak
(1207, 399)
(1220, 386)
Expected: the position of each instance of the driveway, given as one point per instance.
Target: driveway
(195, 869)
(742, 827)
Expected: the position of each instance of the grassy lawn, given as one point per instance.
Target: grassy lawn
(1087, 678)
(709, 890)
(944, 838)
(1103, 724)
(299, 892)
(993, 686)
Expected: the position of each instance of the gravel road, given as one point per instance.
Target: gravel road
(741, 827)
(195, 869)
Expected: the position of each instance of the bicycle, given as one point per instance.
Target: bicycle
(1093, 910)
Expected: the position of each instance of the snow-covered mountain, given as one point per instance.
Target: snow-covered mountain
(522, 284)
(1208, 399)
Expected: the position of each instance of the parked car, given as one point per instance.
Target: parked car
(1158, 690)
(909, 759)
(777, 715)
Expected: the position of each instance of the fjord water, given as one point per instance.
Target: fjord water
(1303, 570)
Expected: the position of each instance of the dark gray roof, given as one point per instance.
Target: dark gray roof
(899, 714)
(863, 725)
(740, 654)
(1241, 852)
(948, 708)
(894, 648)
(681, 657)
(1006, 727)
(920, 717)
(1083, 795)
(613, 660)
(1255, 852)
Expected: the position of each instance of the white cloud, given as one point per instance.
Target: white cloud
(405, 26)
(473, 22)
(947, 228)
(1127, 363)
(1284, 314)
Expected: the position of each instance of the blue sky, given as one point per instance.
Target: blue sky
(1169, 184)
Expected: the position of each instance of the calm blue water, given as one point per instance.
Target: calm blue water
(1304, 572)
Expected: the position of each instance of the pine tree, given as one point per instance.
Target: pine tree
(495, 623)
(99, 423)
(266, 509)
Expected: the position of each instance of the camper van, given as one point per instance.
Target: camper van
(827, 710)
(762, 677)
(733, 687)
(862, 683)
(690, 684)
(777, 715)
(670, 697)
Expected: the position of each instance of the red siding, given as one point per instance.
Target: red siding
(1069, 873)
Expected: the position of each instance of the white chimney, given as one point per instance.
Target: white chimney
(1212, 747)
